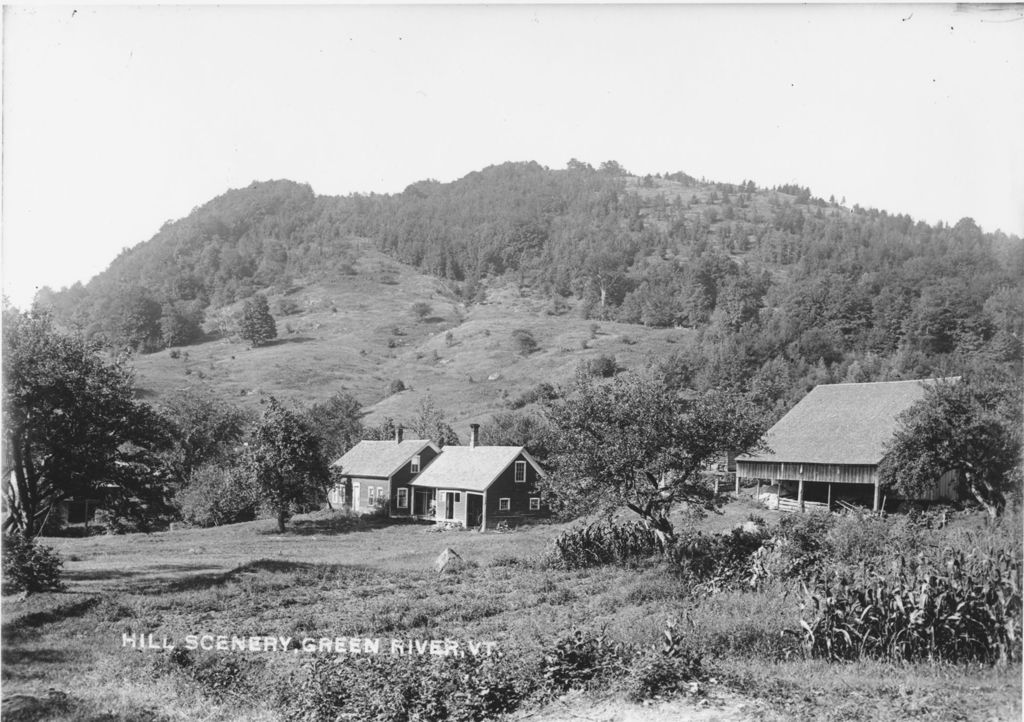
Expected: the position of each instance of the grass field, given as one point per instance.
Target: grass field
(358, 335)
(332, 575)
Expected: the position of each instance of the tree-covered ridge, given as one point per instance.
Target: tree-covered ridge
(773, 277)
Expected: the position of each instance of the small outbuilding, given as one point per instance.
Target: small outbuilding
(828, 447)
(480, 486)
(375, 474)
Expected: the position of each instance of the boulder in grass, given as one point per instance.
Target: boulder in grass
(448, 561)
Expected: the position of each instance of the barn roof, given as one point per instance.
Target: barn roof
(473, 468)
(380, 458)
(840, 423)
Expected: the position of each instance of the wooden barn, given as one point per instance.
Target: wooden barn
(828, 447)
(480, 486)
(379, 473)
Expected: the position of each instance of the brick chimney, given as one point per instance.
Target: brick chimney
(398, 434)
(474, 435)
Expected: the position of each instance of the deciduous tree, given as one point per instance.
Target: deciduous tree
(635, 442)
(71, 423)
(286, 461)
(972, 427)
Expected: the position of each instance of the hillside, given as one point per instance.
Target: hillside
(768, 291)
(358, 335)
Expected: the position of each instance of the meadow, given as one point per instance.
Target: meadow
(332, 575)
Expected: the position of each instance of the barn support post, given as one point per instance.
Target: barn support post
(737, 483)
(757, 494)
(483, 513)
(830, 496)
(878, 493)
(800, 494)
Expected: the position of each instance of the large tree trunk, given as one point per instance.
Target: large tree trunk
(282, 517)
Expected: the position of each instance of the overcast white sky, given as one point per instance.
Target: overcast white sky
(117, 119)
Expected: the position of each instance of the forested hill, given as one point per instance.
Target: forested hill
(768, 275)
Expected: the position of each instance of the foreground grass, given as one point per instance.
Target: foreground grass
(333, 576)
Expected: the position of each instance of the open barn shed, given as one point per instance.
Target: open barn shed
(827, 449)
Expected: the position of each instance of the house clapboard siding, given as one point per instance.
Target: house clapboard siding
(470, 482)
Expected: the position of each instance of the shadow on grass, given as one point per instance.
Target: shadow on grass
(101, 575)
(25, 657)
(337, 524)
(201, 582)
(283, 341)
(33, 620)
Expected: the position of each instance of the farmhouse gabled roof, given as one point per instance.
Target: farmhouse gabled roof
(841, 423)
(380, 458)
(473, 468)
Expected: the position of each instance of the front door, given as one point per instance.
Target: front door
(449, 505)
(355, 495)
(474, 509)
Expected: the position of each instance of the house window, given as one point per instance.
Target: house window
(370, 494)
(403, 499)
(504, 504)
(534, 503)
(458, 497)
(520, 471)
(414, 467)
(380, 494)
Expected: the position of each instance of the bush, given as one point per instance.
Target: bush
(523, 342)
(578, 659)
(28, 566)
(541, 392)
(218, 495)
(396, 387)
(601, 367)
(720, 558)
(420, 310)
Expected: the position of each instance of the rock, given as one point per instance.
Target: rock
(750, 527)
(448, 561)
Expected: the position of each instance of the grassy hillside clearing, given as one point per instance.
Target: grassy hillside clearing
(359, 334)
(332, 575)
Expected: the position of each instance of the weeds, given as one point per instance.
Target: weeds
(607, 543)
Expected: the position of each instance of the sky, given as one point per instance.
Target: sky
(117, 119)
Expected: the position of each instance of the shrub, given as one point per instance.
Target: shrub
(396, 387)
(601, 367)
(541, 392)
(719, 558)
(218, 495)
(578, 659)
(28, 566)
(800, 545)
(664, 670)
(420, 310)
(523, 342)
